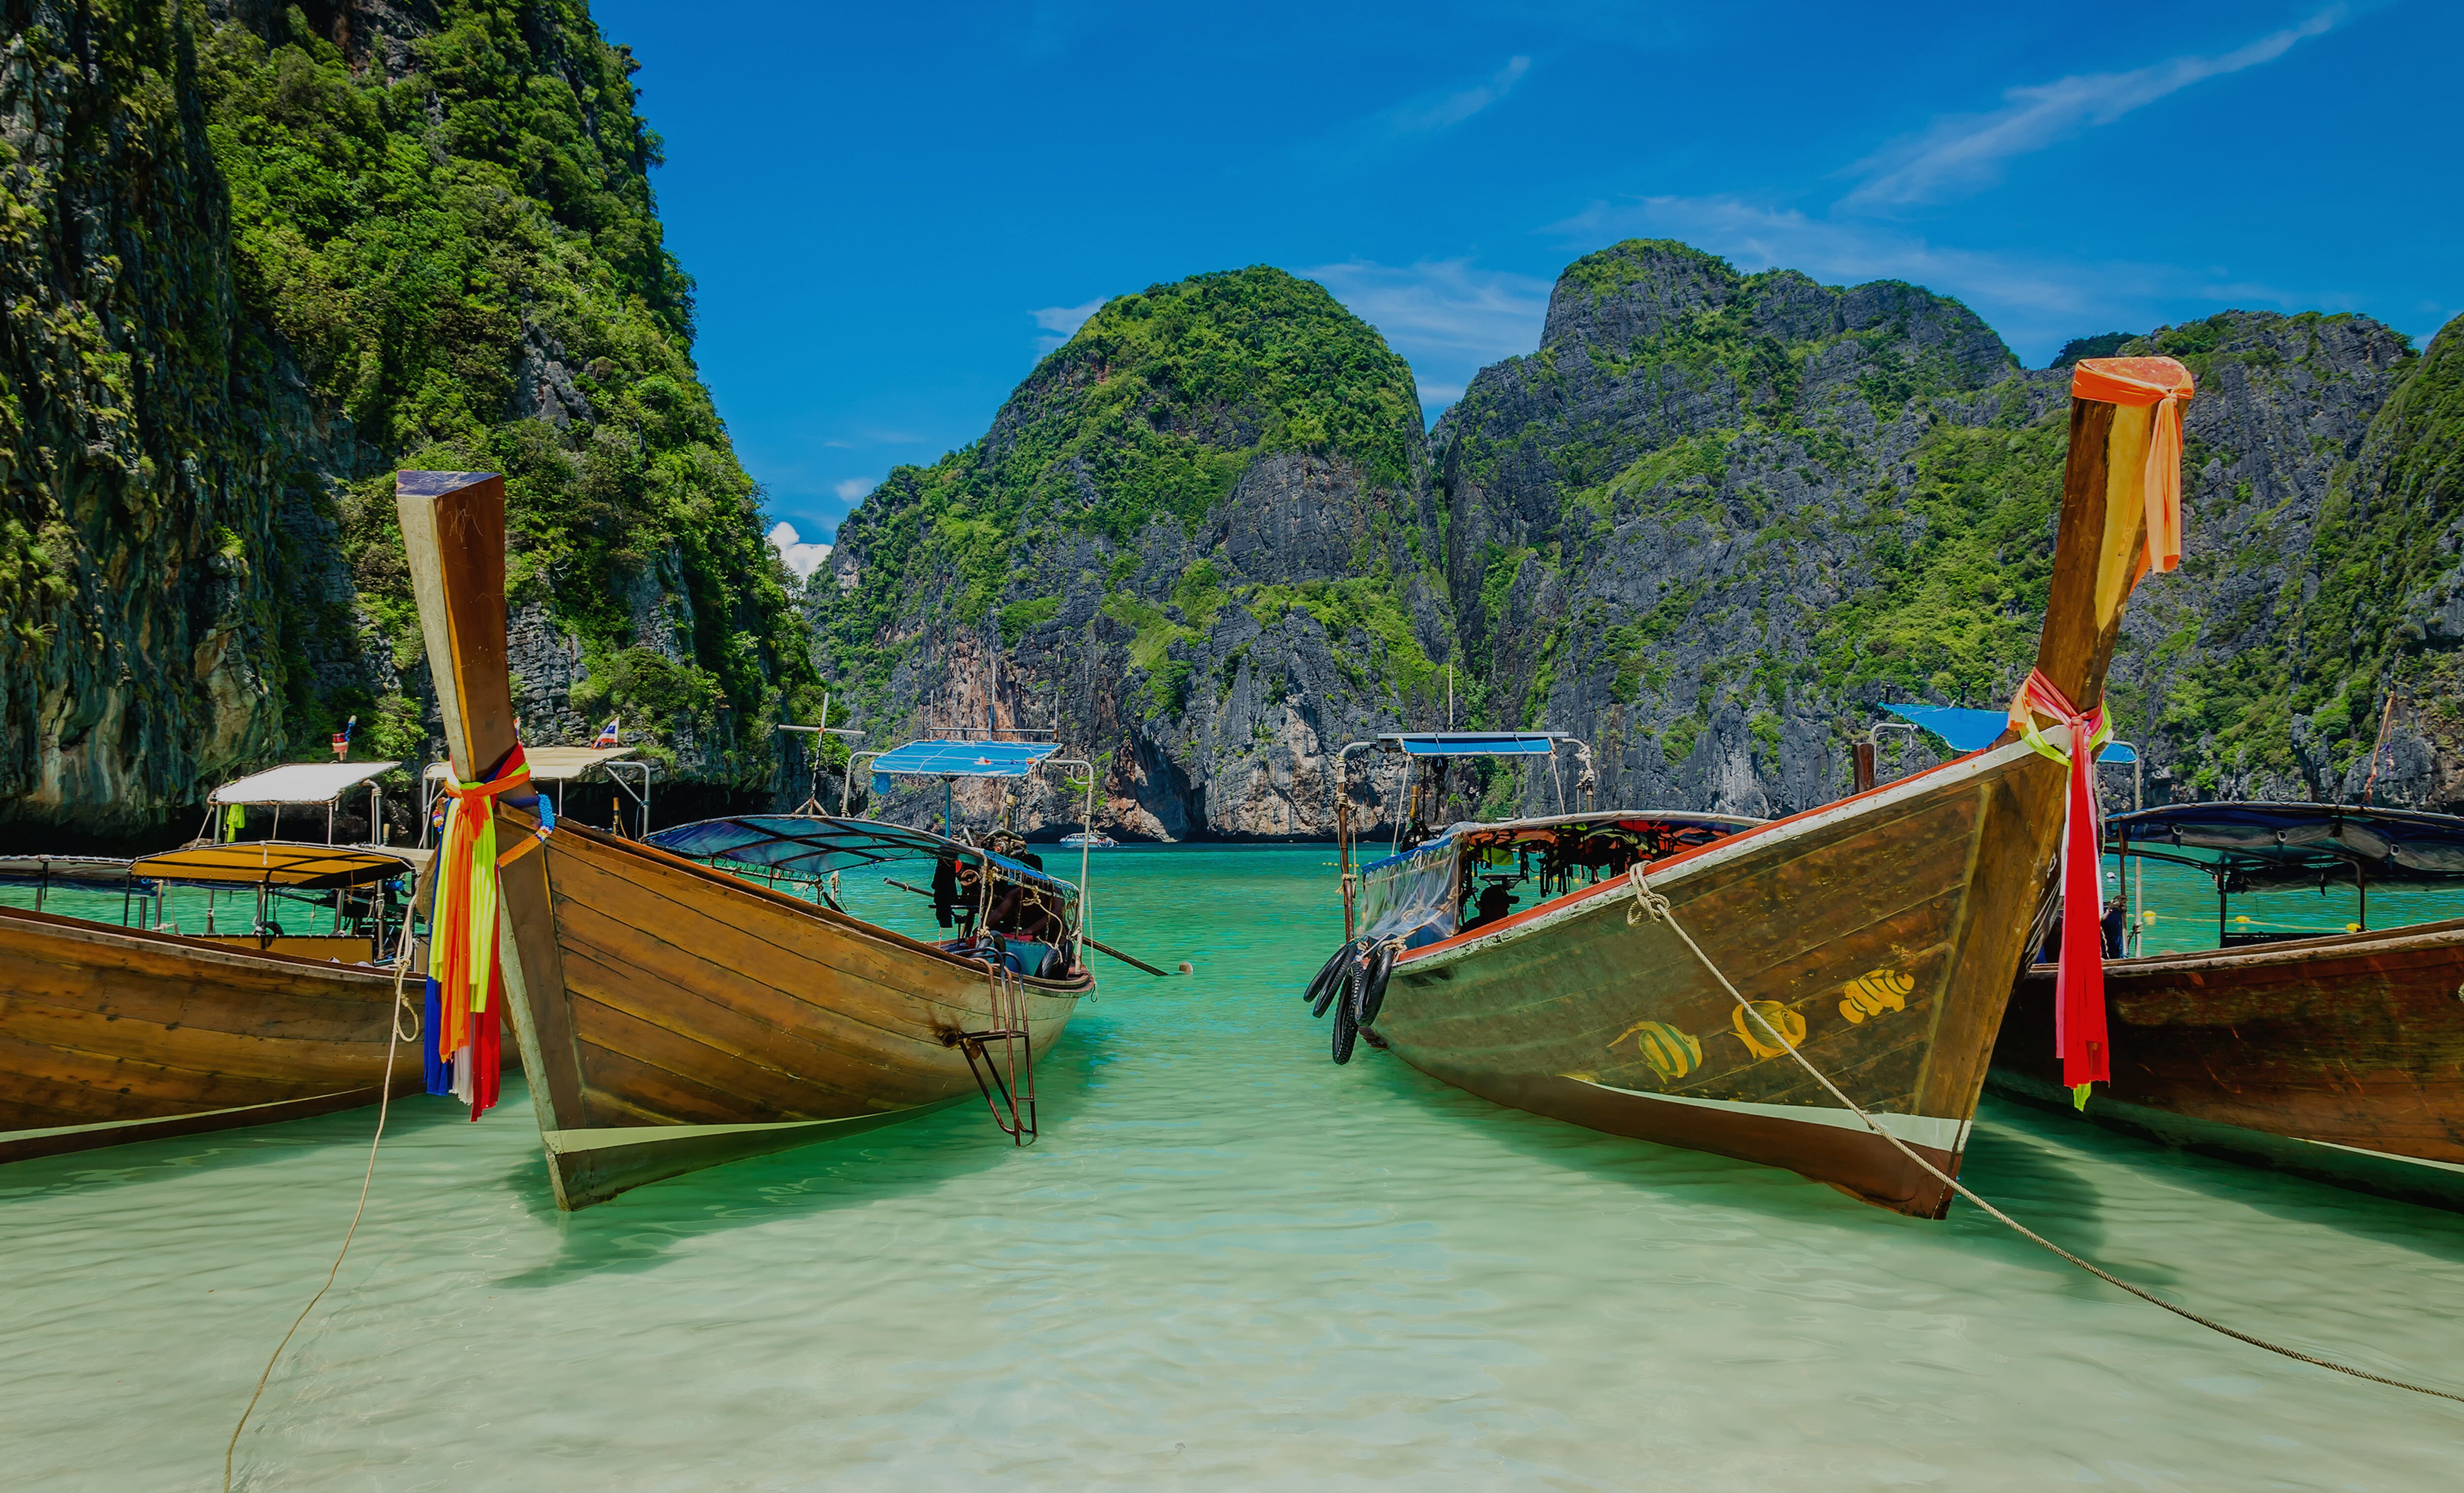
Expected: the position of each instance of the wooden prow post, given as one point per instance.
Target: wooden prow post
(454, 535)
(2103, 527)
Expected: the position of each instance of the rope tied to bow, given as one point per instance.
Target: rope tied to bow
(2079, 1035)
(1652, 902)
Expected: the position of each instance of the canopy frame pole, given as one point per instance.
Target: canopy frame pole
(847, 784)
(1086, 857)
(1343, 847)
(2139, 867)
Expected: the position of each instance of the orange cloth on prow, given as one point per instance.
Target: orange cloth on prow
(2166, 385)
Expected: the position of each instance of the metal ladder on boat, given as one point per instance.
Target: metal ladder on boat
(1006, 1079)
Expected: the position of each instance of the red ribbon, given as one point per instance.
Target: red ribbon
(2079, 1037)
(465, 958)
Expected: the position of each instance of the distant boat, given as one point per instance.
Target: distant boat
(1877, 936)
(141, 1030)
(1096, 839)
(2338, 1057)
(699, 998)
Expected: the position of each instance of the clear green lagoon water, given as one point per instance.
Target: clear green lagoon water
(1227, 1264)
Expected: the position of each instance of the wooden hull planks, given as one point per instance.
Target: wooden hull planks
(109, 1035)
(1867, 932)
(703, 1018)
(2341, 1059)
(1879, 934)
(670, 1017)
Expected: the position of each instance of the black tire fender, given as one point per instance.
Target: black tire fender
(1346, 1020)
(1326, 975)
(1372, 989)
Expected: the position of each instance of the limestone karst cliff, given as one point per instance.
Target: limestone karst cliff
(258, 256)
(1707, 525)
(1198, 538)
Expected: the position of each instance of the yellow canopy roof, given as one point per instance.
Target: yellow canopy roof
(274, 863)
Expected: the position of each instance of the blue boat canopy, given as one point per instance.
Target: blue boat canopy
(964, 759)
(1473, 743)
(1973, 731)
(811, 847)
(2287, 843)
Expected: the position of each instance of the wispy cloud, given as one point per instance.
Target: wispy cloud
(864, 438)
(1415, 121)
(802, 559)
(1061, 323)
(1964, 153)
(2036, 303)
(1447, 318)
(1445, 111)
(853, 487)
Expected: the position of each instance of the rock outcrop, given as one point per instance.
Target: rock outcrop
(1709, 525)
(258, 256)
(1196, 539)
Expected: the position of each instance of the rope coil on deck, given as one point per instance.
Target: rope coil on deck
(1650, 902)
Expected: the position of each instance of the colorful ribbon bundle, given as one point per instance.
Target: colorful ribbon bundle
(2081, 1038)
(2078, 985)
(464, 971)
(2166, 385)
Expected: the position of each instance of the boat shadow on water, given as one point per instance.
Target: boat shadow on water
(2018, 1138)
(2039, 1184)
(935, 1152)
(152, 1162)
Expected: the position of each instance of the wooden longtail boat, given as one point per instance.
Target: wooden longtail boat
(1879, 934)
(671, 1016)
(2338, 1058)
(111, 1034)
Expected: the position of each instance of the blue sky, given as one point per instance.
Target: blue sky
(892, 211)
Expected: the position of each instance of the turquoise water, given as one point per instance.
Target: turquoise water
(1229, 1265)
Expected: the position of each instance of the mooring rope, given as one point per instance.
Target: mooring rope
(394, 1037)
(1648, 899)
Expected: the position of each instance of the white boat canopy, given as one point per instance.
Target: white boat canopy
(302, 783)
(553, 764)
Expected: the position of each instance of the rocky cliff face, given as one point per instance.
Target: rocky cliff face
(1196, 539)
(1715, 519)
(258, 256)
(1707, 526)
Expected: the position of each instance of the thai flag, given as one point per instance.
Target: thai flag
(607, 735)
(343, 739)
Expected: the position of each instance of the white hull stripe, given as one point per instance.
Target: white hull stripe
(564, 1142)
(1744, 843)
(6, 1136)
(1917, 1130)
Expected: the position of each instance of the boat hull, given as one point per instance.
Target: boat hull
(1880, 935)
(2338, 1058)
(684, 1018)
(110, 1035)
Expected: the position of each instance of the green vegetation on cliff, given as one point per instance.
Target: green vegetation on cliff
(1153, 411)
(466, 262)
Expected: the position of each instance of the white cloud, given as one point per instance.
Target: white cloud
(1062, 323)
(854, 488)
(1447, 319)
(1964, 153)
(800, 560)
(1447, 110)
